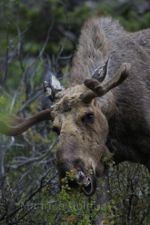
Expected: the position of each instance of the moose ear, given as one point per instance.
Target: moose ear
(100, 89)
(100, 72)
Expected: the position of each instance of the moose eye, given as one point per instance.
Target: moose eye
(56, 130)
(88, 118)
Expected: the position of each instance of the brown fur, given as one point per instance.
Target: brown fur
(122, 116)
(79, 140)
(118, 123)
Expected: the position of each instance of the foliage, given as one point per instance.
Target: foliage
(35, 37)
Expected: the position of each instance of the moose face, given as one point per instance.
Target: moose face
(82, 129)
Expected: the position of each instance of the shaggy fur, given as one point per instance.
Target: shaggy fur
(127, 106)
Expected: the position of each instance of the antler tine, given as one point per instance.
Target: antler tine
(101, 89)
(15, 126)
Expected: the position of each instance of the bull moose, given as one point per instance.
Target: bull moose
(105, 112)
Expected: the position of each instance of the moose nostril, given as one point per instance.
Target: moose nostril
(87, 181)
(80, 177)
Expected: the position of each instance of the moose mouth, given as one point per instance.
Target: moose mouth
(89, 189)
(78, 179)
(87, 183)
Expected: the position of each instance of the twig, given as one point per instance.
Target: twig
(30, 100)
(35, 159)
(32, 194)
(3, 150)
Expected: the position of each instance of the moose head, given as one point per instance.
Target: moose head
(79, 117)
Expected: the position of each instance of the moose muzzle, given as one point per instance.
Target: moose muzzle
(87, 183)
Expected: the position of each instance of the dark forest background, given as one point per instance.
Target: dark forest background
(38, 37)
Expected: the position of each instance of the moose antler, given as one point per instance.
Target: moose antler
(51, 85)
(99, 89)
(13, 126)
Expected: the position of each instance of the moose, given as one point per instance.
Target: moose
(104, 114)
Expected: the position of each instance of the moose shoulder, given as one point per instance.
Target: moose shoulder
(105, 112)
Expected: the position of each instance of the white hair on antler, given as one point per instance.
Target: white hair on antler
(52, 86)
(56, 83)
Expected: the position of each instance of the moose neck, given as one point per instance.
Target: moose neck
(92, 52)
(129, 135)
(126, 140)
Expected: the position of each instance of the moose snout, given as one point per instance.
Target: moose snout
(80, 176)
(87, 183)
(76, 176)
